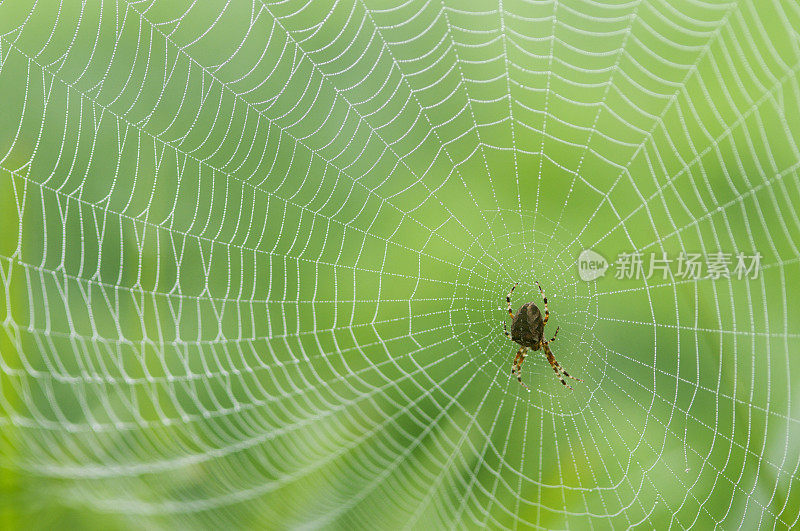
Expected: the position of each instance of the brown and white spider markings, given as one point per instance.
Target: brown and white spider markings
(527, 330)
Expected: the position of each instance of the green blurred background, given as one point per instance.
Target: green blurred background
(254, 257)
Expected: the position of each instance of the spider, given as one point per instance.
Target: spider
(527, 330)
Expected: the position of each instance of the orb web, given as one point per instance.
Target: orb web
(254, 259)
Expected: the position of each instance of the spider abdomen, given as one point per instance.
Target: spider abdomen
(527, 327)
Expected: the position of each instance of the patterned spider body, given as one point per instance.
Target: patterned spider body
(527, 330)
(527, 326)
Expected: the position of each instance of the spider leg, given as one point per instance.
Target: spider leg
(565, 373)
(505, 330)
(508, 299)
(554, 335)
(546, 310)
(516, 359)
(560, 367)
(554, 364)
(516, 367)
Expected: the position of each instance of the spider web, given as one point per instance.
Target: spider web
(254, 258)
